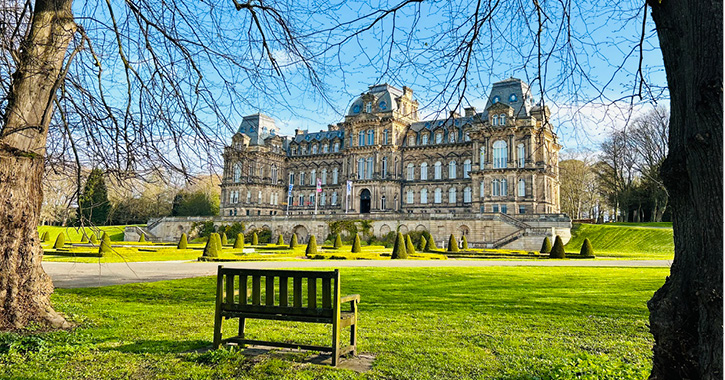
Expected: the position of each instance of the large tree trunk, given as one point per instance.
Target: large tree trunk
(686, 313)
(25, 288)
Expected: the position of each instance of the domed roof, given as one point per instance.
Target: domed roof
(382, 98)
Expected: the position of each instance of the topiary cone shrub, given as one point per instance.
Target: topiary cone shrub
(59, 241)
(311, 246)
(356, 245)
(280, 240)
(94, 238)
(106, 239)
(464, 242)
(409, 247)
(225, 241)
(338, 241)
(557, 251)
(255, 239)
(587, 249)
(452, 244)
(183, 242)
(84, 238)
(239, 242)
(399, 248)
(105, 246)
(142, 238)
(44, 236)
(211, 249)
(546, 245)
(421, 244)
(219, 245)
(293, 241)
(430, 245)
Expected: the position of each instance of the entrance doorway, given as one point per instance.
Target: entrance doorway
(365, 201)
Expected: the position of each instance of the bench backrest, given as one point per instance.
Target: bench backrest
(287, 292)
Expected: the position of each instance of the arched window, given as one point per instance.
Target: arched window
(521, 154)
(313, 177)
(494, 120)
(274, 174)
(495, 188)
(324, 176)
(237, 173)
(522, 187)
(361, 138)
(334, 176)
(312, 199)
(409, 197)
(424, 171)
(452, 170)
(481, 156)
(411, 172)
(500, 154)
(302, 178)
(467, 136)
(467, 169)
(437, 170)
(334, 198)
(369, 171)
(424, 139)
(314, 149)
(382, 203)
(369, 107)
(504, 187)
(502, 119)
(360, 168)
(385, 137)
(452, 195)
(452, 136)
(467, 195)
(483, 188)
(437, 195)
(424, 196)
(371, 137)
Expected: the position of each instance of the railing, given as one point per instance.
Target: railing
(511, 220)
(506, 239)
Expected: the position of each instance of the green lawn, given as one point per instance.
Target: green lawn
(74, 234)
(423, 323)
(625, 241)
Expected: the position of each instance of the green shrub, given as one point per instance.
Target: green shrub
(44, 237)
(94, 239)
(409, 247)
(430, 244)
(239, 241)
(464, 242)
(311, 246)
(399, 248)
(225, 241)
(142, 238)
(211, 249)
(452, 244)
(105, 246)
(59, 241)
(356, 245)
(84, 238)
(557, 251)
(587, 249)
(421, 244)
(183, 242)
(219, 245)
(255, 239)
(280, 240)
(546, 245)
(338, 241)
(293, 241)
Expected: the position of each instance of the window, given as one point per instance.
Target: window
(452, 195)
(424, 139)
(360, 168)
(237, 173)
(370, 168)
(452, 170)
(467, 169)
(439, 137)
(494, 120)
(481, 156)
(274, 174)
(385, 137)
(369, 107)
(504, 209)
(313, 177)
(496, 99)
(437, 170)
(356, 108)
(467, 136)
(522, 187)
(322, 199)
(521, 154)
(424, 171)
(336, 147)
(325, 148)
(411, 140)
(411, 172)
(259, 196)
(424, 196)
(437, 195)
(334, 198)
(522, 209)
(382, 203)
(261, 171)
(361, 138)
(314, 149)
(271, 198)
(312, 199)
(502, 119)
(324, 176)
(495, 188)
(504, 187)
(383, 106)
(483, 194)
(500, 154)
(452, 136)
(249, 196)
(409, 197)
(512, 98)
(495, 208)
(301, 201)
(467, 195)
(371, 137)
(334, 176)
(385, 167)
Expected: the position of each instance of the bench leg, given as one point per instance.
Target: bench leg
(335, 342)
(242, 323)
(217, 330)
(353, 338)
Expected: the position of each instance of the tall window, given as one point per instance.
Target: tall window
(361, 138)
(424, 196)
(481, 156)
(385, 167)
(504, 209)
(334, 198)
(324, 176)
(437, 170)
(274, 174)
(522, 187)
(504, 187)
(312, 199)
(249, 196)
(369, 107)
(301, 200)
(437, 195)
(452, 136)
(502, 119)
(334, 176)
(237, 173)
(483, 194)
(382, 203)
(424, 139)
(370, 168)
(452, 195)
(411, 172)
(494, 120)
(424, 171)
(371, 137)
(385, 137)
(521, 154)
(314, 149)
(452, 170)
(500, 154)
(467, 136)
(259, 196)
(411, 140)
(439, 137)
(360, 168)
(325, 148)
(322, 199)
(313, 177)
(467, 195)
(302, 179)
(409, 197)
(336, 147)
(495, 188)
(467, 169)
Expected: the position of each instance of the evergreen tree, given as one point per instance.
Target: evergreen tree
(452, 244)
(225, 241)
(311, 246)
(409, 247)
(338, 241)
(293, 241)
(93, 205)
(421, 244)
(142, 238)
(356, 245)
(399, 248)
(587, 249)
(59, 241)
(557, 251)
(464, 242)
(546, 245)
(255, 239)
(183, 242)
(280, 240)
(239, 242)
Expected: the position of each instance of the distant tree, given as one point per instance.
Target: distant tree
(545, 245)
(399, 248)
(356, 244)
(93, 205)
(452, 244)
(197, 203)
(183, 242)
(311, 246)
(557, 251)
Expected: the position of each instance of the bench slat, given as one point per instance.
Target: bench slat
(326, 293)
(283, 297)
(279, 273)
(256, 290)
(269, 290)
(279, 317)
(230, 288)
(312, 293)
(297, 291)
(243, 290)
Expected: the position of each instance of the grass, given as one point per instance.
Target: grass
(624, 241)
(74, 233)
(512, 323)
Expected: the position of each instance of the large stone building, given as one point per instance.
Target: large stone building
(492, 175)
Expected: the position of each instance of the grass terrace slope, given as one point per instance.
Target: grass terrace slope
(625, 240)
(424, 323)
(75, 234)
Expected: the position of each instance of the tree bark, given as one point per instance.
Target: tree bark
(686, 313)
(25, 288)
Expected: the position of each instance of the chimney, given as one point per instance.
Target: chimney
(470, 111)
(299, 132)
(454, 115)
(407, 91)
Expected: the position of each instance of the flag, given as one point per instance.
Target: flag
(349, 187)
(319, 185)
(290, 187)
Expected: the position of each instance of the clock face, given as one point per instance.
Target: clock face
(495, 99)
(512, 98)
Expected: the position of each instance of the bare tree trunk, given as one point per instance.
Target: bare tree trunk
(686, 313)
(25, 288)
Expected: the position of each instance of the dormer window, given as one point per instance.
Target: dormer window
(502, 119)
(512, 98)
(356, 109)
(439, 138)
(495, 99)
(383, 106)
(494, 120)
(411, 140)
(336, 147)
(424, 139)
(369, 107)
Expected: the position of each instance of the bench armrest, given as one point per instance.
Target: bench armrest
(350, 298)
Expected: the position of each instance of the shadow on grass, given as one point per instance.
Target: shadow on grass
(163, 346)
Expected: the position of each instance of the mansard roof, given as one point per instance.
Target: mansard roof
(380, 95)
(318, 136)
(514, 93)
(457, 122)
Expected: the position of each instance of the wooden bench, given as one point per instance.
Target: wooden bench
(270, 299)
